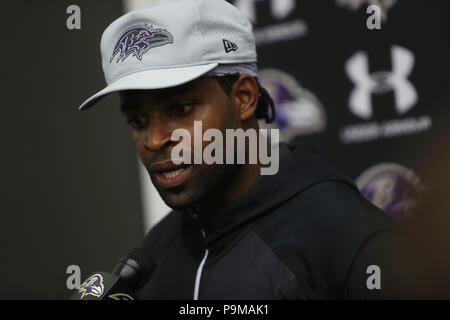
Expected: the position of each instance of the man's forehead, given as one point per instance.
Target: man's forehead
(131, 99)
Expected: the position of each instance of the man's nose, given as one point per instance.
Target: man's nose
(158, 135)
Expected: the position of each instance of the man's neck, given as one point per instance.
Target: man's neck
(237, 186)
(232, 190)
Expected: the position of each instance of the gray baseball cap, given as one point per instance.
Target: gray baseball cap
(172, 42)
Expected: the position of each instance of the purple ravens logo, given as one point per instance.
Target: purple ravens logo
(93, 286)
(391, 187)
(138, 40)
(298, 110)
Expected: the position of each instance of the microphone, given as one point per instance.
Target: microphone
(128, 276)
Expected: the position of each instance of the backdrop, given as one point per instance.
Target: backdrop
(374, 100)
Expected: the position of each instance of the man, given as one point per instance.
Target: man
(302, 233)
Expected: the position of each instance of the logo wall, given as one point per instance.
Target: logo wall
(377, 83)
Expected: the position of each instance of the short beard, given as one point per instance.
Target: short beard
(209, 184)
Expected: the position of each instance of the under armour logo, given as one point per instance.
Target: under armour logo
(280, 9)
(229, 46)
(405, 94)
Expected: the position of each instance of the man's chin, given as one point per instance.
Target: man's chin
(176, 198)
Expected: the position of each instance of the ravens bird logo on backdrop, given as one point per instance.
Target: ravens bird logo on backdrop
(93, 286)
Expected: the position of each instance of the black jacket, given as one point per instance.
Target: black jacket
(304, 233)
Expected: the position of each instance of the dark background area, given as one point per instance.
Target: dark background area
(70, 191)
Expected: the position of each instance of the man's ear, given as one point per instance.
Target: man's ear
(245, 94)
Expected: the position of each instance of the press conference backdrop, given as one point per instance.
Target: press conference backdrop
(374, 101)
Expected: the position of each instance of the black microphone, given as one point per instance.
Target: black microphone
(129, 275)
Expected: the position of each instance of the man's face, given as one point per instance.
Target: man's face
(154, 114)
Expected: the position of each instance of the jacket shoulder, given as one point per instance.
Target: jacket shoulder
(320, 231)
(337, 206)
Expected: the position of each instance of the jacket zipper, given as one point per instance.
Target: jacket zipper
(199, 271)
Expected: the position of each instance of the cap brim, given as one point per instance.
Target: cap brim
(151, 79)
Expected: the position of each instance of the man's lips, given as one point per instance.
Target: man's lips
(165, 166)
(170, 175)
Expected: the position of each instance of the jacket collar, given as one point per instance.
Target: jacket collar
(300, 168)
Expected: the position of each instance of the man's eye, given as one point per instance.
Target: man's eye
(182, 109)
(137, 122)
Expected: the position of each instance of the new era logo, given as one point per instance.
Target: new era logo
(229, 46)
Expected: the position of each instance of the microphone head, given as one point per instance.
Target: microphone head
(135, 268)
(144, 260)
